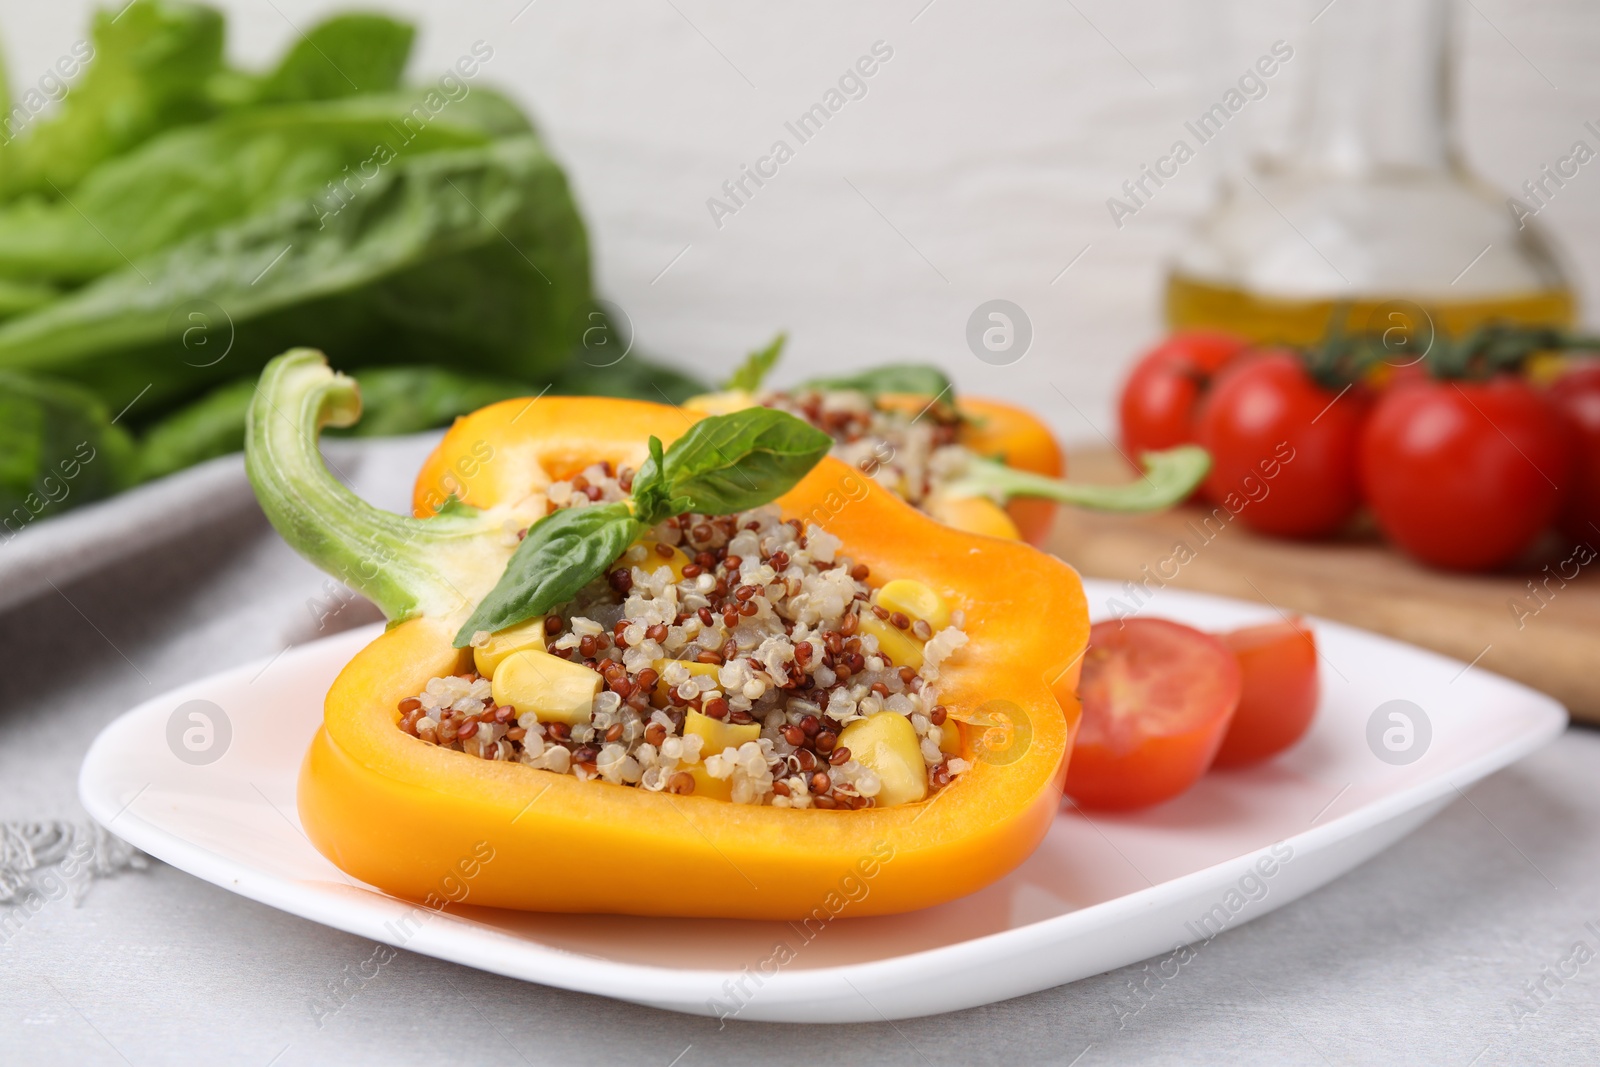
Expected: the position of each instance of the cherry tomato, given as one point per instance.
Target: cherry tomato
(1278, 663)
(1157, 698)
(1162, 393)
(1577, 394)
(1283, 448)
(1465, 475)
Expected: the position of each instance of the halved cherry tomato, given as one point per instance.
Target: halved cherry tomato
(1283, 448)
(1157, 699)
(1278, 663)
(1162, 394)
(1577, 394)
(1465, 474)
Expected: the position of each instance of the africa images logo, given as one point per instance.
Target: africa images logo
(199, 732)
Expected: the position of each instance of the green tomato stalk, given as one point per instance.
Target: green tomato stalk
(1169, 478)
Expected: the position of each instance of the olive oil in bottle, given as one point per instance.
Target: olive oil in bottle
(1371, 209)
(1266, 318)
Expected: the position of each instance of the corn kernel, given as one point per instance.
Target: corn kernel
(707, 786)
(714, 737)
(901, 648)
(643, 554)
(553, 689)
(663, 690)
(502, 643)
(724, 403)
(949, 738)
(916, 601)
(887, 744)
(974, 514)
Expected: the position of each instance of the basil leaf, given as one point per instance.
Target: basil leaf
(562, 553)
(753, 371)
(919, 378)
(651, 494)
(724, 464)
(731, 463)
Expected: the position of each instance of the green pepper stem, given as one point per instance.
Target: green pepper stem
(1169, 477)
(405, 566)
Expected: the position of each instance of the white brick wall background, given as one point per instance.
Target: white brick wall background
(977, 165)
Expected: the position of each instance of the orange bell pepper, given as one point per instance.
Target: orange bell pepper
(403, 815)
(997, 430)
(1012, 489)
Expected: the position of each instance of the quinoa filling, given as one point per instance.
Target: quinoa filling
(735, 656)
(909, 453)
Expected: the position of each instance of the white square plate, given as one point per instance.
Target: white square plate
(1099, 893)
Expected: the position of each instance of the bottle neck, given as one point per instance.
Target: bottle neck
(1379, 99)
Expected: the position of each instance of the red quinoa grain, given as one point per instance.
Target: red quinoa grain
(768, 617)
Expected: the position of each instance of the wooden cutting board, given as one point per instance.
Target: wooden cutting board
(1539, 625)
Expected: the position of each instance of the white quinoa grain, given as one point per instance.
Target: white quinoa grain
(762, 640)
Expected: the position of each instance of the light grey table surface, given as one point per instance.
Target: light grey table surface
(1422, 955)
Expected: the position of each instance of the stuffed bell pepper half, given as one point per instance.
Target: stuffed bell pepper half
(977, 464)
(665, 663)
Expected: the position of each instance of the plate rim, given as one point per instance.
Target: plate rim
(645, 982)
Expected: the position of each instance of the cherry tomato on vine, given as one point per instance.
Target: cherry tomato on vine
(1278, 663)
(1162, 393)
(1577, 394)
(1465, 475)
(1157, 698)
(1283, 448)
